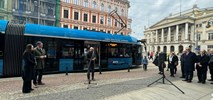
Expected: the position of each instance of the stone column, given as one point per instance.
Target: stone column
(169, 35)
(156, 36)
(177, 32)
(187, 31)
(152, 37)
(192, 33)
(162, 35)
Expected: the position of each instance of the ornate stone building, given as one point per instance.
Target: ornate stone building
(34, 11)
(188, 29)
(5, 9)
(94, 15)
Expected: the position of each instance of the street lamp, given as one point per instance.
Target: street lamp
(208, 23)
(38, 4)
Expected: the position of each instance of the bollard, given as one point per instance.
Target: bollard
(129, 68)
(100, 70)
(66, 70)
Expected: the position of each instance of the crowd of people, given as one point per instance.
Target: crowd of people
(189, 62)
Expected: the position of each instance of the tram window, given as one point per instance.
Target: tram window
(120, 50)
(67, 51)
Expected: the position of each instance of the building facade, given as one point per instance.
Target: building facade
(94, 15)
(34, 11)
(186, 29)
(5, 10)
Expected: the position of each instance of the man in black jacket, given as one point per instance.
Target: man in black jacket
(189, 61)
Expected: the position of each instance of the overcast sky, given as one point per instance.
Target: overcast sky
(148, 12)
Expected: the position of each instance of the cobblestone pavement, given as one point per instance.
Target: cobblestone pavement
(110, 85)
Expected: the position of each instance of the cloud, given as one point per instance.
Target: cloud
(148, 12)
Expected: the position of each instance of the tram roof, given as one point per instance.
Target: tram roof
(51, 31)
(3, 25)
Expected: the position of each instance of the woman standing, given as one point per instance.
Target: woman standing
(201, 66)
(27, 69)
(145, 63)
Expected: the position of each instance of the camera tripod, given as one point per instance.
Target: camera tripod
(164, 78)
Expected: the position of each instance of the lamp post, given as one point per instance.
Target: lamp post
(38, 4)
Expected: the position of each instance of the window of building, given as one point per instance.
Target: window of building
(50, 10)
(1, 17)
(210, 36)
(84, 28)
(102, 20)
(75, 15)
(66, 13)
(93, 29)
(198, 37)
(108, 32)
(116, 23)
(2, 3)
(76, 2)
(109, 9)
(101, 30)
(22, 6)
(85, 3)
(67, 1)
(85, 17)
(94, 5)
(102, 7)
(109, 21)
(75, 27)
(210, 47)
(94, 19)
(65, 26)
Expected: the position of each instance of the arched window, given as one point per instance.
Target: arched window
(85, 3)
(102, 7)
(94, 4)
(109, 9)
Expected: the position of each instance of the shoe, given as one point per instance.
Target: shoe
(210, 80)
(41, 83)
(203, 82)
(34, 83)
(93, 79)
(211, 83)
(198, 81)
(31, 89)
(189, 81)
(184, 80)
(25, 91)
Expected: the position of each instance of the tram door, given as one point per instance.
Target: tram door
(1, 53)
(96, 46)
(78, 55)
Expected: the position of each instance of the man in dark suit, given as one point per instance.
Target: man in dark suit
(91, 59)
(211, 64)
(189, 61)
(182, 64)
(40, 55)
(172, 63)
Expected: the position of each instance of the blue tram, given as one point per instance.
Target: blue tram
(66, 48)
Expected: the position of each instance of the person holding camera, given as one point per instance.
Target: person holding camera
(91, 55)
(40, 55)
(172, 63)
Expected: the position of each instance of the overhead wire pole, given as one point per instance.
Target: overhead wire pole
(122, 23)
(180, 7)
